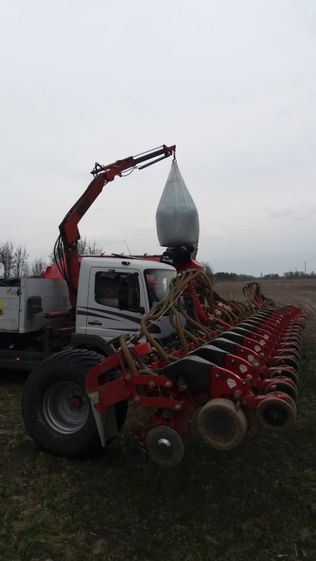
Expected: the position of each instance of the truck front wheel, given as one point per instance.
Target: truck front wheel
(56, 409)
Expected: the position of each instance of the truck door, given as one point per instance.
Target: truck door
(115, 302)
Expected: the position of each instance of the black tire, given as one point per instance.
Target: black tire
(57, 411)
(164, 446)
(195, 433)
(287, 373)
(276, 414)
(282, 386)
(287, 361)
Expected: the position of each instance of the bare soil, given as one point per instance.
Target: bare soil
(301, 293)
(254, 503)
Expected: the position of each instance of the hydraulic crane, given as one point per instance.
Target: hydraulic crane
(66, 246)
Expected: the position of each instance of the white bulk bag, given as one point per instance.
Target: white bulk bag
(177, 218)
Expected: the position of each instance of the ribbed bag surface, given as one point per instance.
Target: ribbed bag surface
(177, 218)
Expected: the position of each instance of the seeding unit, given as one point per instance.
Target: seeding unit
(217, 369)
(208, 382)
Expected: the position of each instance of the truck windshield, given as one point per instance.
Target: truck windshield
(157, 282)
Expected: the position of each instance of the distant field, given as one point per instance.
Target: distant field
(254, 503)
(301, 293)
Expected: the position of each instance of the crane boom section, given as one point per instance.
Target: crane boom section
(66, 251)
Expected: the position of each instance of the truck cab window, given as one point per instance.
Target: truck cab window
(118, 290)
(158, 282)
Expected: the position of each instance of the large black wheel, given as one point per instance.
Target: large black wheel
(56, 409)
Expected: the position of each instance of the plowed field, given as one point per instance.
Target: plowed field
(300, 293)
(256, 502)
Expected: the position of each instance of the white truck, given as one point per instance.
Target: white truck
(114, 293)
(82, 301)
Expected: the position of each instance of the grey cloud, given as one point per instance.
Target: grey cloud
(291, 212)
(144, 225)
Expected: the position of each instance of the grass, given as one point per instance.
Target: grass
(254, 503)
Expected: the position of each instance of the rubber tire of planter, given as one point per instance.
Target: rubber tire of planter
(287, 361)
(68, 367)
(221, 424)
(282, 386)
(164, 446)
(276, 414)
(194, 428)
(288, 373)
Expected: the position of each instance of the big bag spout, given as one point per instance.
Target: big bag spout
(177, 218)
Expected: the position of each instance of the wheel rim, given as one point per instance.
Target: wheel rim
(65, 407)
(220, 425)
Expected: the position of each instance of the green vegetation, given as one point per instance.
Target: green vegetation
(256, 503)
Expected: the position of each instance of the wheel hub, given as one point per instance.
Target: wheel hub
(65, 407)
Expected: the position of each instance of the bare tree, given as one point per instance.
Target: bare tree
(7, 258)
(37, 267)
(20, 265)
(87, 247)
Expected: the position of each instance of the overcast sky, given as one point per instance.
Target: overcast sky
(231, 83)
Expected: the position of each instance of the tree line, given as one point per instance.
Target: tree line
(224, 276)
(221, 276)
(15, 263)
(15, 259)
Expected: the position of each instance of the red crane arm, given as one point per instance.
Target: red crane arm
(66, 252)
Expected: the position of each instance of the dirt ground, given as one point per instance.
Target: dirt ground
(256, 502)
(298, 292)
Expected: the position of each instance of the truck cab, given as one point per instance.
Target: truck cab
(113, 296)
(83, 302)
(115, 293)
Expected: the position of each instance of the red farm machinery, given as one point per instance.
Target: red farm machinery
(224, 367)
